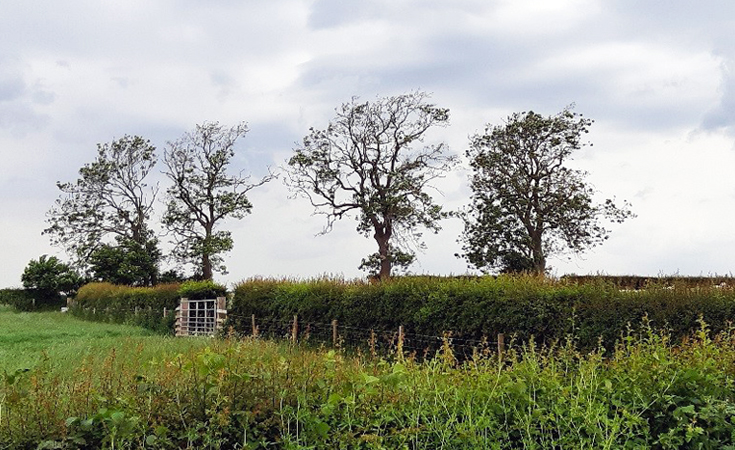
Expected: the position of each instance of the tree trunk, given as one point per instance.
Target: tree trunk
(206, 268)
(384, 252)
(206, 261)
(539, 259)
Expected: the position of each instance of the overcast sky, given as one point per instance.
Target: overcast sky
(657, 77)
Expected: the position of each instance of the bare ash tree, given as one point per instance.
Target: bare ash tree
(109, 200)
(203, 194)
(527, 204)
(370, 161)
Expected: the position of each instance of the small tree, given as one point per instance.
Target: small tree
(48, 278)
(128, 263)
(109, 200)
(526, 204)
(203, 194)
(365, 161)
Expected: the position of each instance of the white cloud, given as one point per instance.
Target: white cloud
(657, 77)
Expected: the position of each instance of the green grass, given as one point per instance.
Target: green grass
(93, 385)
(28, 338)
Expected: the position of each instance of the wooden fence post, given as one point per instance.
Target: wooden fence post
(220, 313)
(295, 329)
(334, 332)
(400, 342)
(255, 327)
(501, 346)
(373, 352)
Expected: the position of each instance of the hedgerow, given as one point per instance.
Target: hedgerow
(20, 299)
(149, 307)
(477, 307)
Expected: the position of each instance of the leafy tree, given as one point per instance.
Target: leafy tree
(204, 194)
(48, 278)
(365, 162)
(526, 203)
(171, 276)
(128, 263)
(109, 200)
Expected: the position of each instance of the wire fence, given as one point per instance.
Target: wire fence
(374, 341)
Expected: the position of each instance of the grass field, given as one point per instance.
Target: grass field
(26, 339)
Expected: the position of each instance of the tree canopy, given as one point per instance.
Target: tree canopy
(367, 161)
(109, 200)
(527, 203)
(48, 278)
(203, 194)
(127, 263)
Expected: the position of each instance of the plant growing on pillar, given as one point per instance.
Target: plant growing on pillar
(526, 203)
(203, 194)
(366, 162)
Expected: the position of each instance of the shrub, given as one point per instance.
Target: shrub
(48, 279)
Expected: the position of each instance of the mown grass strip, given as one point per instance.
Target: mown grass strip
(27, 338)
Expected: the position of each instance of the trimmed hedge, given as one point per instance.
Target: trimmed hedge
(637, 282)
(200, 290)
(473, 308)
(141, 306)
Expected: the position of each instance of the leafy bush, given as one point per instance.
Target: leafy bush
(473, 308)
(48, 280)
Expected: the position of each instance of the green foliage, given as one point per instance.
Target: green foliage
(646, 393)
(171, 276)
(142, 306)
(128, 263)
(200, 290)
(47, 279)
(365, 163)
(203, 194)
(399, 261)
(477, 307)
(526, 204)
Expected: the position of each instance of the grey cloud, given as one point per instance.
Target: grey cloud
(722, 116)
(484, 72)
(19, 118)
(221, 79)
(331, 13)
(11, 88)
(335, 13)
(43, 97)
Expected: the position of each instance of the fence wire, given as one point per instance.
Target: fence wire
(375, 341)
(371, 340)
